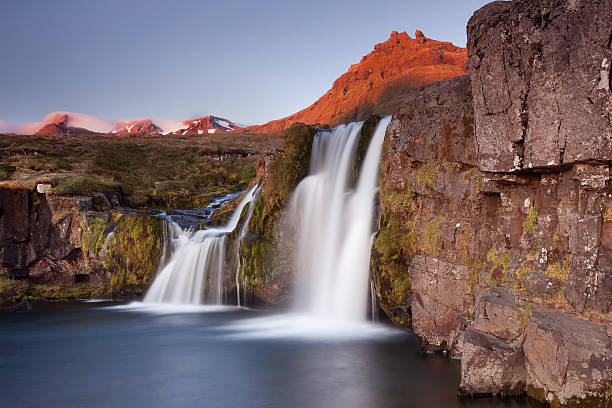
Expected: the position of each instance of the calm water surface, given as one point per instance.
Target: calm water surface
(101, 355)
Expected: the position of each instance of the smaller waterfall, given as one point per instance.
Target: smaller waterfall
(194, 273)
(241, 236)
(373, 301)
(172, 236)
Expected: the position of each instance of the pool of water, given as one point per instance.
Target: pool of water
(107, 355)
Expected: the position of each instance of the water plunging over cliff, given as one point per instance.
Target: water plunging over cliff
(334, 224)
(195, 272)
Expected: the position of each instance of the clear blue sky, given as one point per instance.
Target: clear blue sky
(250, 61)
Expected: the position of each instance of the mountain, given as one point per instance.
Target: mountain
(61, 123)
(136, 127)
(79, 123)
(207, 124)
(380, 81)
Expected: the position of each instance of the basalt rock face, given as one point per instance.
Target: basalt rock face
(380, 81)
(496, 212)
(54, 247)
(541, 74)
(434, 221)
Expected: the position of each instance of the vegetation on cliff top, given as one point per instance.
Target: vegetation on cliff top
(164, 171)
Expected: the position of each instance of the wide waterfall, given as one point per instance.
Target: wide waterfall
(334, 224)
(195, 272)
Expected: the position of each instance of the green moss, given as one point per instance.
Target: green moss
(475, 274)
(430, 236)
(427, 174)
(54, 292)
(92, 236)
(475, 174)
(290, 167)
(498, 259)
(607, 216)
(456, 165)
(525, 317)
(391, 250)
(531, 220)
(397, 201)
(266, 258)
(559, 271)
(134, 252)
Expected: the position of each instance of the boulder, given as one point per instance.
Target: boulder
(568, 359)
(490, 365)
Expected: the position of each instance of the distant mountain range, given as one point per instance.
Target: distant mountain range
(79, 123)
(379, 83)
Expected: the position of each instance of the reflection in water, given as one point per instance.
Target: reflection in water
(92, 355)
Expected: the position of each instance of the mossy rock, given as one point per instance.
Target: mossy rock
(266, 266)
(133, 254)
(392, 251)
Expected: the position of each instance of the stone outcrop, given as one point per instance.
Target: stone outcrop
(380, 81)
(515, 346)
(568, 360)
(441, 302)
(265, 252)
(496, 209)
(431, 207)
(54, 247)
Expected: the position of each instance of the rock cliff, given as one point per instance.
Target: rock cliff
(54, 247)
(496, 206)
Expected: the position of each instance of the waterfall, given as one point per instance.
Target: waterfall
(194, 273)
(373, 301)
(334, 224)
(241, 235)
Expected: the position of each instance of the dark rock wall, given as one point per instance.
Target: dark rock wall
(496, 206)
(53, 247)
(540, 74)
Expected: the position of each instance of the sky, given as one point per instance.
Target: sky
(248, 61)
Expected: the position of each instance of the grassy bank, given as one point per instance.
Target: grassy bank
(164, 171)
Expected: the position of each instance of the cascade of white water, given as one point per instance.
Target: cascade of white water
(373, 301)
(195, 272)
(241, 235)
(334, 231)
